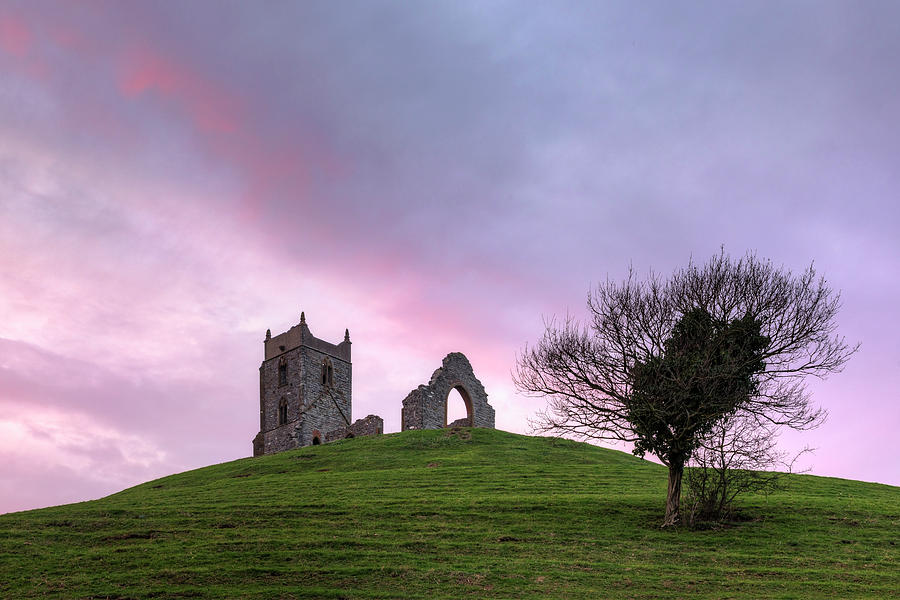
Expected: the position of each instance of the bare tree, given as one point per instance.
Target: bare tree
(739, 455)
(661, 362)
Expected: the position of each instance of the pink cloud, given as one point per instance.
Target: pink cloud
(209, 106)
(71, 38)
(143, 72)
(51, 456)
(15, 36)
(269, 166)
(17, 39)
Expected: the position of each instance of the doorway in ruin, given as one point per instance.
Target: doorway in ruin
(458, 408)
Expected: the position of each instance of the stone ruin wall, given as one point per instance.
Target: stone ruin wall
(426, 406)
(371, 425)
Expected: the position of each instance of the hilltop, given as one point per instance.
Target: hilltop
(447, 513)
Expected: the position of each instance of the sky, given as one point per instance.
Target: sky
(176, 178)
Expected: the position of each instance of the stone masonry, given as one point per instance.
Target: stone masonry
(305, 387)
(426, 406)
(371, 425)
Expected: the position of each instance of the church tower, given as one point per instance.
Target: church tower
(305, 389)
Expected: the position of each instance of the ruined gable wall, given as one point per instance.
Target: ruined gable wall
(426, 406)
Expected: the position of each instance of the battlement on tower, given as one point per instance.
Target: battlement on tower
(300, 335)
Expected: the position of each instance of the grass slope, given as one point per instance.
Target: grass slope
(440, 514)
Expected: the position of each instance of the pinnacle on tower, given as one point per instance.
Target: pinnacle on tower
(347, 335)
(268, 334)
(302, 318)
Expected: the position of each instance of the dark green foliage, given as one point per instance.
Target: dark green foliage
(443, 514)
(707, 371)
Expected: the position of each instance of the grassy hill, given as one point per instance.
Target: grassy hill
(441, 514)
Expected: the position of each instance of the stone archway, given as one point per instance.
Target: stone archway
(467, 400)
(426, 406)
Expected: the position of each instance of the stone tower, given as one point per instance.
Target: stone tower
(304, 390)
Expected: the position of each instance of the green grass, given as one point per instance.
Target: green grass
(435, 514)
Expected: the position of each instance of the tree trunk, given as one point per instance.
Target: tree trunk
(673, 495)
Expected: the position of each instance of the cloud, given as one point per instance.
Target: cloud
(15, 36)
(209, 107)
(53, 456)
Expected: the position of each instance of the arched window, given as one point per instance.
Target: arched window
(282, 372)
(282, 412)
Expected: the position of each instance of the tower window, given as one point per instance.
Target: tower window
(327, 372)
(282, 372)
(282, 412)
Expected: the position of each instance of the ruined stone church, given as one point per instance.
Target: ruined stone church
(306, 385)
